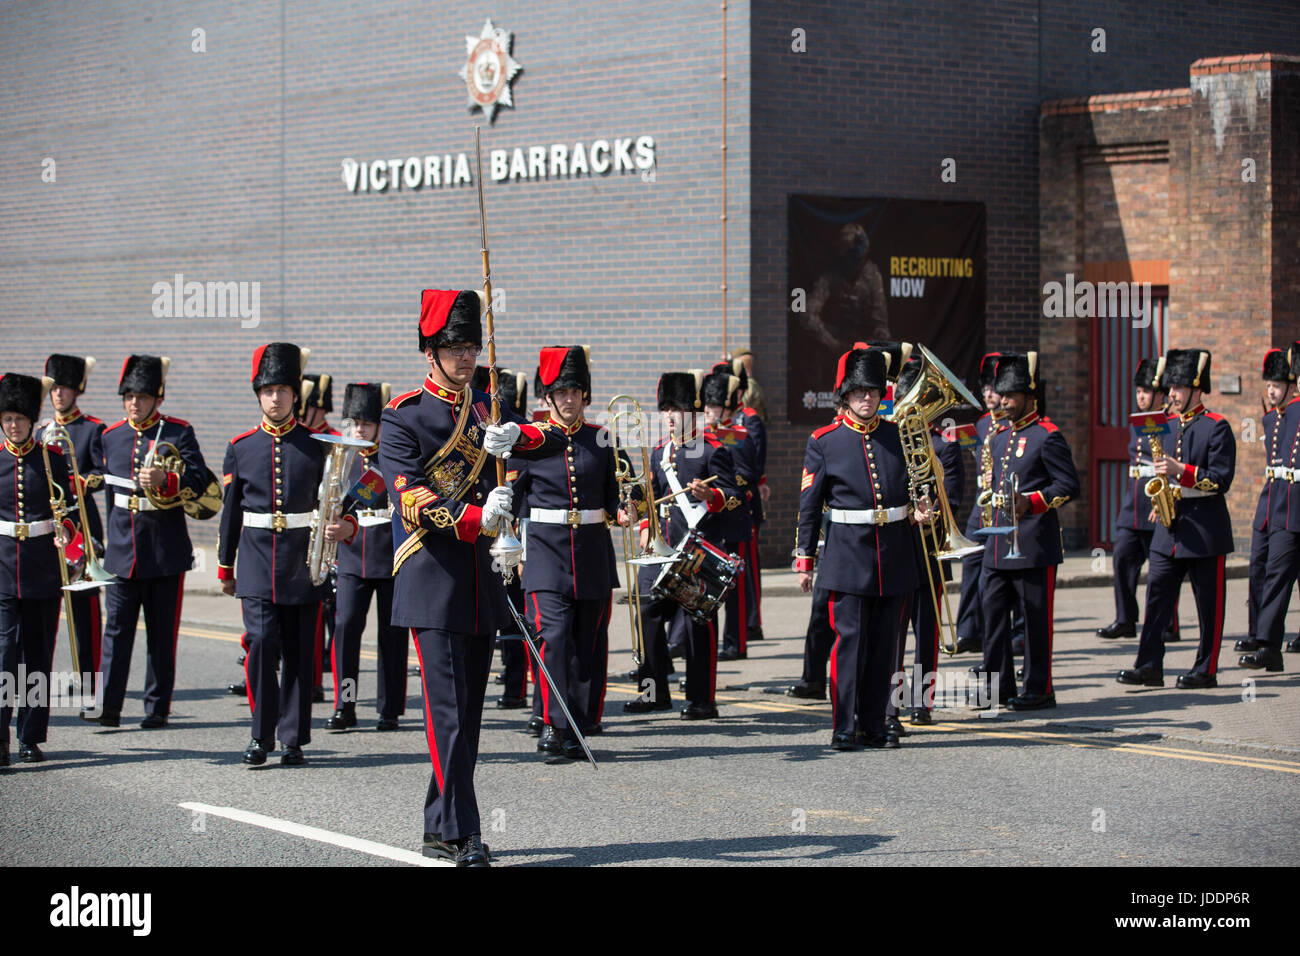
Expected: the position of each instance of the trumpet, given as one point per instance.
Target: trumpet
(91, 573)
(658, 551)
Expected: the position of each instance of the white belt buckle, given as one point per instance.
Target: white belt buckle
(573, 517)
(279, 522)
(21, 529)
(880, 516)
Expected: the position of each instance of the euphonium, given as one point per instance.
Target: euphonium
(1162, 494)
(165, 455)
(321, 553)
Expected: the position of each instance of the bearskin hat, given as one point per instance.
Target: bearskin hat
(680, 391)
(898, 352)
(722, 387)
(907, 377)
(562, 366)
(1148, 374)
(146, 374)
(279, 363)
(1188, 367)
(23, 394)
(860, 368)
(448, 316)
(1276, 367)
(989, 369)
(513, 386)
(69, 370)
(365, 402)
(1017, 373)
(318, 392)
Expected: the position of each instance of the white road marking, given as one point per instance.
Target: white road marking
(317, 834)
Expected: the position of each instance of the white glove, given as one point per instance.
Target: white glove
(496, 509)
(499, 439)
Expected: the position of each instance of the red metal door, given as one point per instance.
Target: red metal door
(1118, 344)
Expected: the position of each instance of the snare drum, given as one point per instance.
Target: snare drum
(700, 578)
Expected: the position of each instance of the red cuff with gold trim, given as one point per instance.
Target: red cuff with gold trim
(225, 573)
(643, 524)
(530, 437)
(717, 501)
(173, 486)
(803, 565)
(355, 528)
(1188, 478)
(1037, 503)
(467, 526)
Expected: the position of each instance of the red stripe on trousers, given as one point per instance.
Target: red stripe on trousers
(334, 659)
(1051, 614)
(318, 652)
(176, 633)
(428, 715)
(541, 650)
(1218, 614)
(830, 608)
(742, 609)
(758, 578)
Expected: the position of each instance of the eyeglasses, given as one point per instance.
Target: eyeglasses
(460, 351)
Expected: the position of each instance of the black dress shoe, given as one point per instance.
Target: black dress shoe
(435, 848)
(292, 757)
(152, 721)
(634, 675)
(472, 852)
(1267, 658)
(895, 726)
(807, 691)
(1146, 676)
(1171, 636)
(729, 655)
(29, 753)
(256, 753)
(240, 662)
(844, 741)
(676, 651)
(1293, 645)
(535, 725)
(318, 694)
(1020, 673)
(4, 753)
(341, 719)
(969, 645)
(754, 634)
(1247, 644)
(1116, 629)
(387, 723)
(572, 749)
(239, 690)
(511, 703)
(551, 742)
(593, 731)
(886, 741)
(500, 678)
(699, 712)
(107, 719)
(1194, 681)
(643, 706)
(1032, 702)
(921, 717)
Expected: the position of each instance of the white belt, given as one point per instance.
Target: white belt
(126, 483)
(278, 521)
(133, 502)
(869, 516)
(23, 530)
(1195, 493)
(1286, 474)
(571, 518)
(1141, 471)
(369, 517)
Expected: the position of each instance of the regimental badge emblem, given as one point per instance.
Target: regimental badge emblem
(488, 69)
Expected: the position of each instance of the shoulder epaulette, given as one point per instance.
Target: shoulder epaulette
(115, 425)
(402, 399)
(1048, 424)
(1214, 416)
(175, 421)
(245, 434)
(712, 440)
(825, 430)
(57, 449)
(93, 420)
(986, 415)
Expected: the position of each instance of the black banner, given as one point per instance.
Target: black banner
(861, 269)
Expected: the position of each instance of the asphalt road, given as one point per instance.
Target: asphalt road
(1113, 777)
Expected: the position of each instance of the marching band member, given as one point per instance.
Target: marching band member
(1279, 390)
(148, 548)
(29, 570)
(272, 475)
(720, 395)
(1202, 463)
(570, 575)
(970, 612)
(445, 588)
(1033, 474)
(315, 402)
(752, 416)
(918, 607)
(680, 465)
(69, 373)
(365, 568)
(1133, 525)
(856, 467)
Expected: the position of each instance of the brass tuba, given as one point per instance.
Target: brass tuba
(934, 392)
(338, 460)
(658, 551)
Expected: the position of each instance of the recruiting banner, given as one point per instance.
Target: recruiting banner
(864, 269)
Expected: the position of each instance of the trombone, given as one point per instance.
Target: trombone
(91, 573)
(657, 551)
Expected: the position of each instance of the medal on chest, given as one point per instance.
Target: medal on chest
(1020, 447)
